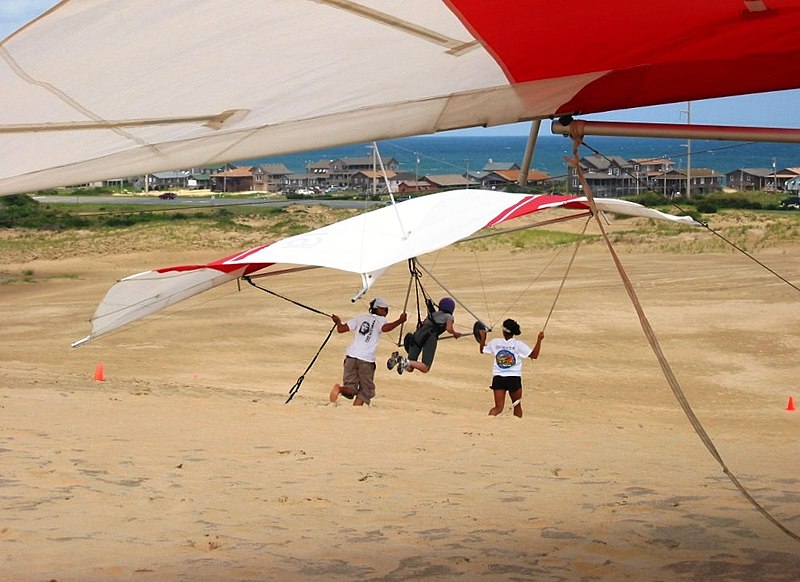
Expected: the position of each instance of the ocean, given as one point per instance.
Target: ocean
(452, 154)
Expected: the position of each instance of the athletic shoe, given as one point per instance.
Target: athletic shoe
(401, 364)
(392, 361)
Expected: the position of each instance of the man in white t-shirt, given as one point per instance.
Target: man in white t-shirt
(358, 380)
(507, 368)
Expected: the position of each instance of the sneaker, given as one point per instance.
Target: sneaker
(401, 364)
(392, 361)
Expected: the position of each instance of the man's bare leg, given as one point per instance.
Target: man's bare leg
(345, 391)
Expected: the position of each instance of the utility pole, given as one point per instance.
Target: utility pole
(774, 177)
(688, 153)
(416, 172)
(374, 170)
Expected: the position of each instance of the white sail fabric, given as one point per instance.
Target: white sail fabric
(367, 244)
(383, 237)
(102, 89)
(137, 296)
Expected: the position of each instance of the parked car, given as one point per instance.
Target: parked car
(168, 196)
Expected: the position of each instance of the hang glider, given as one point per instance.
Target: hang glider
(366, 244)
(102, 89)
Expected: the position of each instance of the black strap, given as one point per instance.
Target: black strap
(416, 275)
(302, 377)
(249, 280)
(293, 390)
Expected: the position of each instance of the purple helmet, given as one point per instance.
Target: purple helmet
(447, 304)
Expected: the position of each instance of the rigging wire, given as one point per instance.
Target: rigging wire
(483, 287)
(278, 295)
(705, 224)
(450, 293)
(655, 346)
(294, 389)
(566, 273)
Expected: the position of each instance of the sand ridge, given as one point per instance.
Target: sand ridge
(185, 463)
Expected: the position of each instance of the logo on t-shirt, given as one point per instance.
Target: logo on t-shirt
(366, 329)
(505, 359)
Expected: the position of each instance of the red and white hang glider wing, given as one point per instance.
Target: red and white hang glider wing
(139, 295)
(99, 89)
(366, 244)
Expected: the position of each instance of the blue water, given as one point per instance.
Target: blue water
(449, 154)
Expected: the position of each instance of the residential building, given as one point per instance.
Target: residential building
(750, 178)
(673, 183)
(367, 180)
(607, 176)
(492, 166)
(341, 170)
(239, 179)
(415, 186)
(319, 168)
(501, 179)
(448, 181)
(270, 177)
(169, 180)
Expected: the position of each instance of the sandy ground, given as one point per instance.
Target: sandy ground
(186, 464)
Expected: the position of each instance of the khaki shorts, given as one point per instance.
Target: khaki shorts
(360, 376)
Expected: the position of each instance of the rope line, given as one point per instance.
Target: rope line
(566, 273)
(278, 295)
(662, 360)
(294, 389)
(483, 288)
(450, 293)
(705, 224)
(752, 258)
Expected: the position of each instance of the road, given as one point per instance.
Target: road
(204, 202)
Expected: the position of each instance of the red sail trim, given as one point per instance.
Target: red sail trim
(534, 204)
(220, 265)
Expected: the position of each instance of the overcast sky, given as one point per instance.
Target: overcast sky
(780, 109)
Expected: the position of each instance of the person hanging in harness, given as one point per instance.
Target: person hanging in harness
(358, 379)
(425, 339)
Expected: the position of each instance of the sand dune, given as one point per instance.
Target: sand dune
(185, 463)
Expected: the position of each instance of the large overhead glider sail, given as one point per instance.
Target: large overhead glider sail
(366, 244)
(99, 89)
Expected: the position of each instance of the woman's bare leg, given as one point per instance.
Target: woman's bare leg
(516, 395)
(499, 402)
(415, 365)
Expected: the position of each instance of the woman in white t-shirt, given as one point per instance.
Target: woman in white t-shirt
(507, 369)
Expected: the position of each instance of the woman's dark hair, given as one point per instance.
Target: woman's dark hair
(511, 327)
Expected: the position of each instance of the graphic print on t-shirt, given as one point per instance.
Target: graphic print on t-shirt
(366, 329)
(505, 359)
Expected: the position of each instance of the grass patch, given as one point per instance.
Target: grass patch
(528, 240)
(41, 232)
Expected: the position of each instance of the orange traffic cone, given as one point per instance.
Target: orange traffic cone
(790, 405)
(99, 374)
